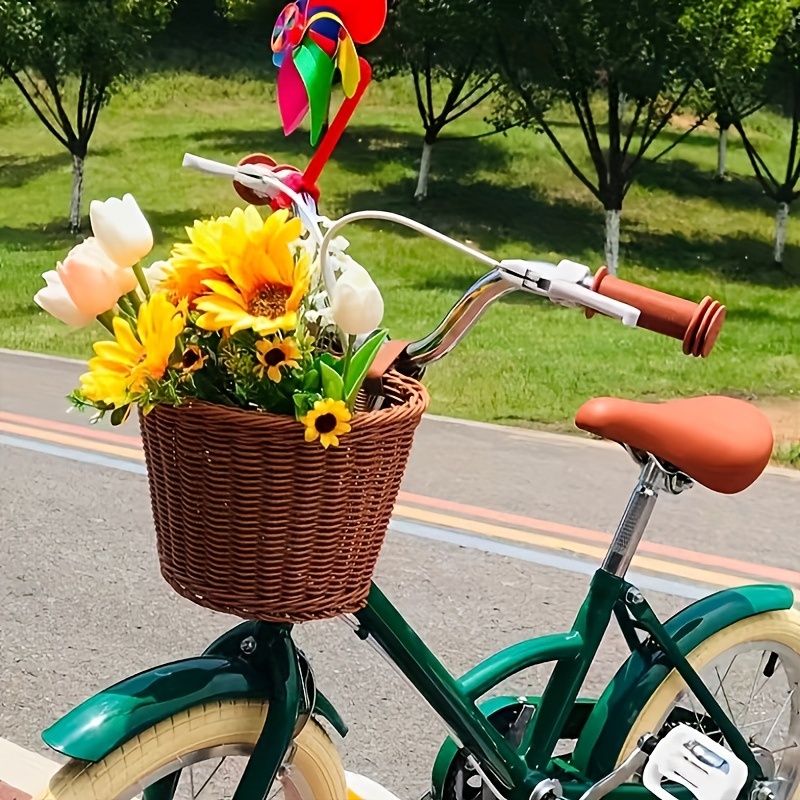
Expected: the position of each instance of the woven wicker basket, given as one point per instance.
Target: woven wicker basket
(253, 521)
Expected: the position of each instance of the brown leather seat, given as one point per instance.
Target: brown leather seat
(723, 443)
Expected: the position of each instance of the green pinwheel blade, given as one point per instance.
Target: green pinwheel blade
(316, 69)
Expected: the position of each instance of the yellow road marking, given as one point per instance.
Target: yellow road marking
(671, 568)
(553, 543)
(72, 441)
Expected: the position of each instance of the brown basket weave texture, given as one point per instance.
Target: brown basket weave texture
(254, 521)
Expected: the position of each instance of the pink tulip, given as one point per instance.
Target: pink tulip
(93, 280)
(55, 300)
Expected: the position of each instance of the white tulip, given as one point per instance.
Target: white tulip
(357, 303)
(55, 300)
(121, 229)
(156, 273)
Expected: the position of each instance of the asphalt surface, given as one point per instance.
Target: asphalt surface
(84, 604)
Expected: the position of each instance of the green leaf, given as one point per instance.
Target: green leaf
(334, 363)
(311, 382)
(119, 415)
(359, 366)
(332, 383)
(304, 402)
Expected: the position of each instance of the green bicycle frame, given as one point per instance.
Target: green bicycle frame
(519, 771)
(260, 661)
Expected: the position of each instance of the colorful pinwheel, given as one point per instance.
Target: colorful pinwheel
(311, 40)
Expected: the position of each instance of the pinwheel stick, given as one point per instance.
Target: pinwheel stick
(335, 130)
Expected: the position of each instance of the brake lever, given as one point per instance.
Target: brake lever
(566, 285)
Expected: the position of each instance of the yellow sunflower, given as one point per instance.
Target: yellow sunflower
(276, 353)
(266, 281)
(327, 421)
(194, 261)
(122, 368)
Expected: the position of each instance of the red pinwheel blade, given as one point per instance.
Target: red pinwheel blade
(364, 19)
(292, 96)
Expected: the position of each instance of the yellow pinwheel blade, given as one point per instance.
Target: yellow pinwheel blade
(347, 61)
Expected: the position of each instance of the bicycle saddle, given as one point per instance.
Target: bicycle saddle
(722, 443)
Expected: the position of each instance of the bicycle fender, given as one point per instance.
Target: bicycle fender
(109, 719)
(619, 706)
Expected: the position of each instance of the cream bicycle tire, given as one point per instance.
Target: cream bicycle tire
(193, 731)
(778, 628)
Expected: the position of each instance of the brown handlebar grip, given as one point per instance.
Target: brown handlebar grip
(697, 325)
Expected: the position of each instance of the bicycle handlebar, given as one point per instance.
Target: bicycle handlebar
(568, 283)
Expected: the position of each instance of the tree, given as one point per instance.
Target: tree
(781, 87)
(624, 68)
(735, 40)
(66, 57)
(261, 13)
(443, 45)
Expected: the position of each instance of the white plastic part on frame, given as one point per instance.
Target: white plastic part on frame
(692, 759)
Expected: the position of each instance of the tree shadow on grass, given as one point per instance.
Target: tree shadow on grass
(238, 143)
(762, 315)
(736, 258)
(491, 215)
(31, 238)
(362, 146)
(56, 235)
(685, 179)
(16, 170)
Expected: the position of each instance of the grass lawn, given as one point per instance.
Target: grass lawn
(528, 362)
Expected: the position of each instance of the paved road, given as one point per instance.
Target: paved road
(83, 604)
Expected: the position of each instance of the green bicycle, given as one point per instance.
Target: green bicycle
(712, 690)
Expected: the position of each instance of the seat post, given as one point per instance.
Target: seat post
(634, 521)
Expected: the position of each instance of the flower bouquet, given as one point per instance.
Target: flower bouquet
(272, 478)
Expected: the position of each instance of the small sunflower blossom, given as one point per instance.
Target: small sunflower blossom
(193, 359)
(121, 369)
(327, 421)
(273, 354)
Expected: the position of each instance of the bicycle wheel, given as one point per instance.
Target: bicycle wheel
(753, 670)
(210, 745)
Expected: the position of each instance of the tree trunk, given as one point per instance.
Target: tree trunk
(781, 221)
(424, 172)
(722, 152)
(77, 193)
(612, 239)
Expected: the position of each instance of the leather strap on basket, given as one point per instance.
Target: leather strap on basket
(384, 361)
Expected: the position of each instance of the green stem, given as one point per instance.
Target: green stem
(139, 272)
(125, 305)
(348, 357)
(134, 300)
(106, 319)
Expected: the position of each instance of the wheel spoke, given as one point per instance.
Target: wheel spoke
(724, 693)
(753, 687)
(727, 672)
(780, 714)
(208, 779)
